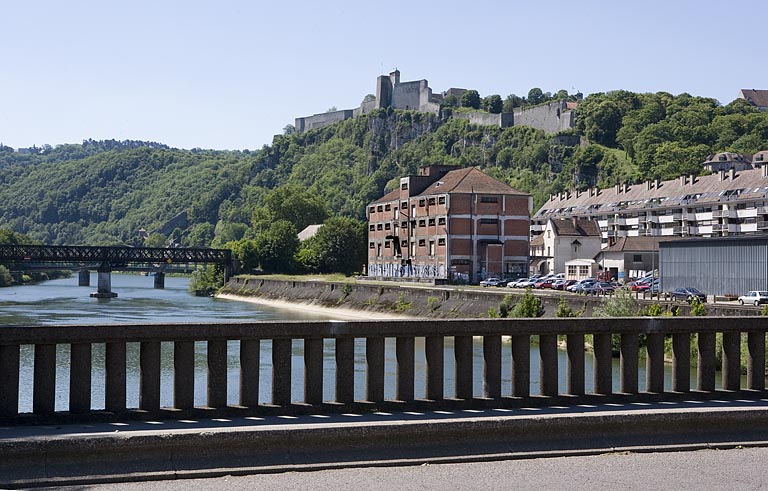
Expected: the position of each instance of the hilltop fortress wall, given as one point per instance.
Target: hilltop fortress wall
(417, 96)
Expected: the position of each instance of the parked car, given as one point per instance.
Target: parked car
(579, 286)
(492, 282)
(598, 288)
(523, 283)
(754, 297)
(687, 294)
(562, 284)
(544, 283)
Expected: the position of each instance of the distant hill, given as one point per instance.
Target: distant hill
(105, 192)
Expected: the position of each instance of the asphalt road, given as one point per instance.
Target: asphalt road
(737, 469)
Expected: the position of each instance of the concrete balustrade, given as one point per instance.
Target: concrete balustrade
(635, 340)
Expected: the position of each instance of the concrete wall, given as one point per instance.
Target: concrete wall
(324, 119)
(551, 118)
(502, 120)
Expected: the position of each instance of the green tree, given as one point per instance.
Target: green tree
(296, 205)
(535, 96)
(338, 247)
(5, 276)
(528, 306)
(493, 104)
(620, 305)
(451, 101)
(511, 102)
(470, 98)
(155, 240)
(276, 247)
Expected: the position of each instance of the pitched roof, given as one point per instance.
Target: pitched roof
(576, 228)
(637, 244)
(391, 196)
(469, 180)
(309, 231)
(757, 97)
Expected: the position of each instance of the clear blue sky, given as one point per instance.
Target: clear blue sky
(229, 74)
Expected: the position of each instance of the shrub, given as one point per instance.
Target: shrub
(564, 310)
(621, 305)
(697, 307)
(528, 306)
(433, 303)
(402, 305)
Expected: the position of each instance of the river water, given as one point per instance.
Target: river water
(62, 302)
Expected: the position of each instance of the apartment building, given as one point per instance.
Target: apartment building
(728, 202)
(449, 224)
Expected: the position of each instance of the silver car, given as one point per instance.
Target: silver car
(755, 298)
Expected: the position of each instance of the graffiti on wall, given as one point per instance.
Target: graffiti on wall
(398, 270)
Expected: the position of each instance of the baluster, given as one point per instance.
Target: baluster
(705, 361)
(281, 372)
(80, 378)
(731, 361)
(149, 376)
(217, 373)
(345, 370)
(492, 367)
(548, 375)
(435, 356)
(629, 356)
(681, 362)
(463, 369)
(313, 371)
(9, 380)
(654, 363)
(44, 385)
(756, 361)
(250, 364)
(404, 352)
(114, 363)
(521, 366)
(184, 374)
(603, 376)
(374, 359)
(575, 366)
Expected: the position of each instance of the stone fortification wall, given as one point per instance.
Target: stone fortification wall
(364, 108)
(324, 119)
(502, 120)
(407, 95)
(551, 118)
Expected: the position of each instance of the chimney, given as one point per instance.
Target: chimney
(722, 175)
(618, 188)
(575, 222)
(692, 178)
(648, 185)
(656, 183)
(624, 187)
(683, 180)
(732, 173)
(764, 169)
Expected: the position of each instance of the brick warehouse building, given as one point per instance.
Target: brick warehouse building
(449, 223)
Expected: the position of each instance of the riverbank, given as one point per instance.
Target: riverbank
(341, 313)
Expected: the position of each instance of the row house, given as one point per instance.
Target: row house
(727, 202)
(564, 240)
(449, 224)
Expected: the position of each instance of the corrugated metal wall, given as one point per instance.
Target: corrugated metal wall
(715, 266)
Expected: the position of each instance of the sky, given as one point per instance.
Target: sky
(230, 74)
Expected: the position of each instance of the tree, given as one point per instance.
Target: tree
(289, 129)
(451, 101)
(535, 96)
(493, 104)
(338, 247)
(369, 98)
(511, 102)
(296, 205)
(471, 99)
(276, 247)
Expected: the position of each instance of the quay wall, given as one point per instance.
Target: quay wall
(441, 302)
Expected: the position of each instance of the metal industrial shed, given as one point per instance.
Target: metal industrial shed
(716, 266)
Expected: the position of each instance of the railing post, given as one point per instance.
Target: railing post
(80, 378)
(629, 360)
(345, 370)
(313, 370)
(149, 376)
(44, 385)
(463, 369)
(705, 362)
(654, 363)
(115, 366)
(9, 380)
(603, 377)
(575, 367)
(681, 362)
(548, 364)
(492, 367)
(756, 361)
(731, 361)
(217, 373)
(521, 366)
(374, 358)
(250, 365)
(404, 348)
(435, 356)
(281, 372)
(184, 374)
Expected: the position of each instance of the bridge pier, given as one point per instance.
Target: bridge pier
(84, 278)
(104, 287)
(159, 280)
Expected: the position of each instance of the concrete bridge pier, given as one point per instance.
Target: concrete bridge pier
(104, 287)
(84, 278)
(159, 280)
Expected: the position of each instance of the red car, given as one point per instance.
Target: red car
(547, 283)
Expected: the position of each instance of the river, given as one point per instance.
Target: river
(62, 302)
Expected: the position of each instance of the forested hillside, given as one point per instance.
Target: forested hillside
(105, 192)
